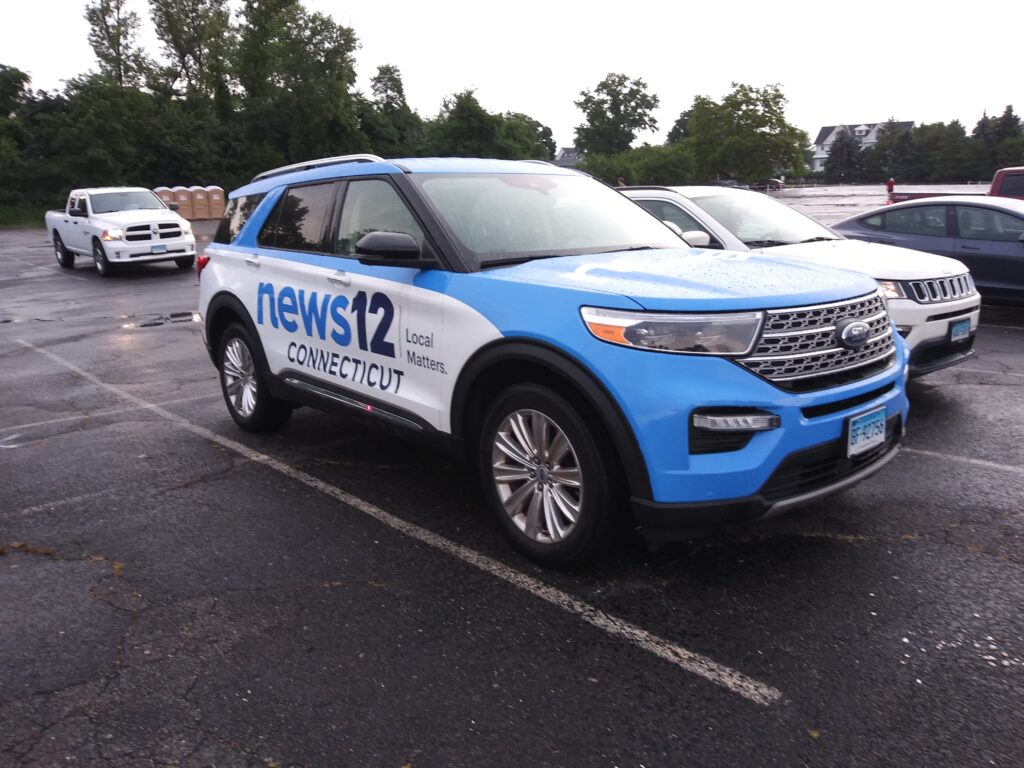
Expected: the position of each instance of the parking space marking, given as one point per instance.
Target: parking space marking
(108, 412)
(1010, 327)
(33, 264)
(64, 502)
(966, 460)
(695, 663)
(983, 370)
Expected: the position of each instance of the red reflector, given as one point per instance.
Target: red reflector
(201, 262)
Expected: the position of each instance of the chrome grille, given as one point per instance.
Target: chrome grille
(801, 343)
(941, 289)
(140, 233)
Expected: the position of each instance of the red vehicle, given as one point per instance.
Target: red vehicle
(1008, 182)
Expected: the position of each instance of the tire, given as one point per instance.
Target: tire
(185, 262)
(244, 384)
(65, 258)
(103, 267)
(541, 465)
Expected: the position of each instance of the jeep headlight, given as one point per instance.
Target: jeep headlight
(728, 333)
(891, 289)
(113, 234)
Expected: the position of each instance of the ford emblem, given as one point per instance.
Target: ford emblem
(852, 334)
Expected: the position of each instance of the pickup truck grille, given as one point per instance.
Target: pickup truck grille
(941, 289)
(143, 233)
(800, 351)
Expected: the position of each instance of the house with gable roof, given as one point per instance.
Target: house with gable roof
(866, 133)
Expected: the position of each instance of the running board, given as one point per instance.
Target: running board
(357, 405)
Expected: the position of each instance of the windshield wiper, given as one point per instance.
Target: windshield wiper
(819, 239)
(764, 243)
(517, 260)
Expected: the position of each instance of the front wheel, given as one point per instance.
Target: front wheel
(244, 385)
(65, 258)
(546, 476)
(103, 267)
(185, 262)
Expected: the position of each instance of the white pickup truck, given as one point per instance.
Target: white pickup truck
(119, 225)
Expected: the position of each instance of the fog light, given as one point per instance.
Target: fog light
(736, 422)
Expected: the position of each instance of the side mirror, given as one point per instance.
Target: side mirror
(696, 239)
(391, 249)
(673, 226)
(173, 206)
(77, 213)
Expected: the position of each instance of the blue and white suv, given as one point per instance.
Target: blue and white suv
(588, 362)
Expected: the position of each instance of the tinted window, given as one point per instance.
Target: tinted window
(236, 213)
(875, 222)
(1012, 184)
(297, 221)
(985, 224)
(919, 220)
(675, 214)
(372, 205)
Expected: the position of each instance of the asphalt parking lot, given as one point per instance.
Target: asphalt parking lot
(175, 592)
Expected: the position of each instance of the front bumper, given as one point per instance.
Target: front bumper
(122, 252)
(926, 329)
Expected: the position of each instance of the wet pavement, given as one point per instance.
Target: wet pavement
(174, 592)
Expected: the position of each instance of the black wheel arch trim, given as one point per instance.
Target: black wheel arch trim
(226, 300)
(567, 367)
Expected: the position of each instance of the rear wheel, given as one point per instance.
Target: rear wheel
(547, 477)
(244, 384)
(103, 267)
(185, 262)
(65, 258)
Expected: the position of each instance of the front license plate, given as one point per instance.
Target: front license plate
(865, 432)
(158, 249)
(960, 329)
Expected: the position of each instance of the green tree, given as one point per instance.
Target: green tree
(680, 129)
(615, 111)
(1007, 126)
(195, 36)
(746, 136)
(113, 35)
(845, 162)
(392, 128)
(524, 137)
(891, 156)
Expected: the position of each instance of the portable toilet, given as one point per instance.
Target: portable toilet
(165, 194)
(200, 205)
(184, 200)
(215, 199)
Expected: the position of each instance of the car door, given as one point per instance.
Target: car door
(922, 227)
(79, 234)
(991, 244)
(671, 211)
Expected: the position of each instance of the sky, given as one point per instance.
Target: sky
(835, 62)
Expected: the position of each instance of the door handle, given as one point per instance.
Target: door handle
(340, 278)
(253, 261)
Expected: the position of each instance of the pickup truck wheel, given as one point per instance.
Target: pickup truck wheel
(244, 386)
(185, 262)
(546, 476)
(103, 267)
(65, 258)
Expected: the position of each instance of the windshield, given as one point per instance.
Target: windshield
(761, 221)
(505, 218)
(108, 202)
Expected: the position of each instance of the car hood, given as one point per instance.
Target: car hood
(674, 279)
(882, 262)
(128, 218)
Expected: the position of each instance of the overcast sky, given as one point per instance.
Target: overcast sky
(835, 62)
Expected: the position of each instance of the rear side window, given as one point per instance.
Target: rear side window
(236, 213)
(919, 220)
(297, 221)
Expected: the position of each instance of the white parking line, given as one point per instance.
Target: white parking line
(690, 661)
(967, 460)
(64, 502)
(31, 264)
(108, 412)
(983, 370)
(1010, 327)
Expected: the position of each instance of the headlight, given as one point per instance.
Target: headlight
(722, 334)
(186, 227)
(113, 234)
(891, 289)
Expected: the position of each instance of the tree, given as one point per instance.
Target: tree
(845, 162)
(746, 136)
(891, 156)
(391, 126)
(615, 111)
(1007, 126)
(194, 34)
(680, 129)
(113, 33)
(523, 137)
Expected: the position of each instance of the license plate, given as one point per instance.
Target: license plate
(865, 432)
(960, 329)
(158, 249)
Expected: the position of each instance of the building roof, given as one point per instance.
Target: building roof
(827, 130)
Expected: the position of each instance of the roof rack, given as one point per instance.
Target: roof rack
(538, 162)
(310, 164)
